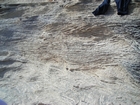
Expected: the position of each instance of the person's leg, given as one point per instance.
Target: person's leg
(102, 8)
(122, 6)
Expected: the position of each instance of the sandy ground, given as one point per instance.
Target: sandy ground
(58, 53)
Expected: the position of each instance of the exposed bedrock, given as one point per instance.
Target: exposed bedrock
(58, 53)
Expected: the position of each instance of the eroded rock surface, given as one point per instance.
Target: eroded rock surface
(58, 53)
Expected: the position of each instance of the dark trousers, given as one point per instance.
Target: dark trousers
(122, 7)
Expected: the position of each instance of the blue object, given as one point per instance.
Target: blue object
(122, 7)
(2, 102)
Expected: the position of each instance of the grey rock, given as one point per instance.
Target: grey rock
(57, 53)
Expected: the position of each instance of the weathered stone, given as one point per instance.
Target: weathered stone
(57, 53)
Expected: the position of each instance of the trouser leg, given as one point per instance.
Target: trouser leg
(102, 8)
(122, 6)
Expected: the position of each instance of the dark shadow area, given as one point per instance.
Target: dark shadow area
(133, 29)
(10, 12)
(3, 71)
(7, 69)
(6, 36)
(134, 70)
(31, 19)
(6, 33)
(30, 23)
(3, 10)
(42, 104)
(4, 53)
(7, 62)
(110, 11)
(30, 27)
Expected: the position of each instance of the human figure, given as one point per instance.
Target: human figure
(122, 7)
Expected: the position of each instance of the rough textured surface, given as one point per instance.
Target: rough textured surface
(58, 53)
